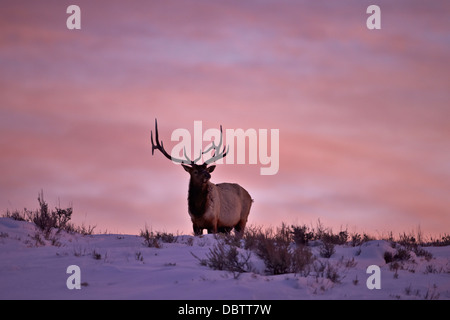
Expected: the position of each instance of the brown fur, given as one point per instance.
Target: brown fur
(216, 208)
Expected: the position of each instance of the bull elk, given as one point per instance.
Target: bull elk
(214, 207)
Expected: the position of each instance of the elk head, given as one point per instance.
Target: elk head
(200, 174)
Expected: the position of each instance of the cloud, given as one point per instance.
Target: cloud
(362, 115)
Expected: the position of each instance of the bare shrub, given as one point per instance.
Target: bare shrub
(227, 257)
(356, 239)
(155, 239)
(275, 254)
(278, 251)
(49, 222)
(420, 252)
(327, 247)
(150, 239)
(301, 260)
(402, 254)
(332, 274)
(388, 257)
(302, 234)
(165, 237)
(442, 240)
(408, 241)
(43, 218)
(16, 215)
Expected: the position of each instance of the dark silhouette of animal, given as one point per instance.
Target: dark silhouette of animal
(214, 207)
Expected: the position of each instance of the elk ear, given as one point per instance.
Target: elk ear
(211, 169)
(187, 168)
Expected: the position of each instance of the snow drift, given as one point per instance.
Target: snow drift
(115, 266)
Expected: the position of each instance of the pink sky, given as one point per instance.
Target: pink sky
(363, 115)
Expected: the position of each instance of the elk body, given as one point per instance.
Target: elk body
(214, 207)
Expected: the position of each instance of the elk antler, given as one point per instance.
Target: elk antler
(160, 147)
(222, 154)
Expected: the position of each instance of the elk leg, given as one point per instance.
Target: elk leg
(225, 230)
(197, 231)
(239, 228)
(212, 230)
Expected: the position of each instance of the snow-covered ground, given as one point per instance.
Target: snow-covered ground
(121, 267)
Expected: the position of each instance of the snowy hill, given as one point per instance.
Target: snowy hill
(122, 267)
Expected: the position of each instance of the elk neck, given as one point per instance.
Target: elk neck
(197, 198)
